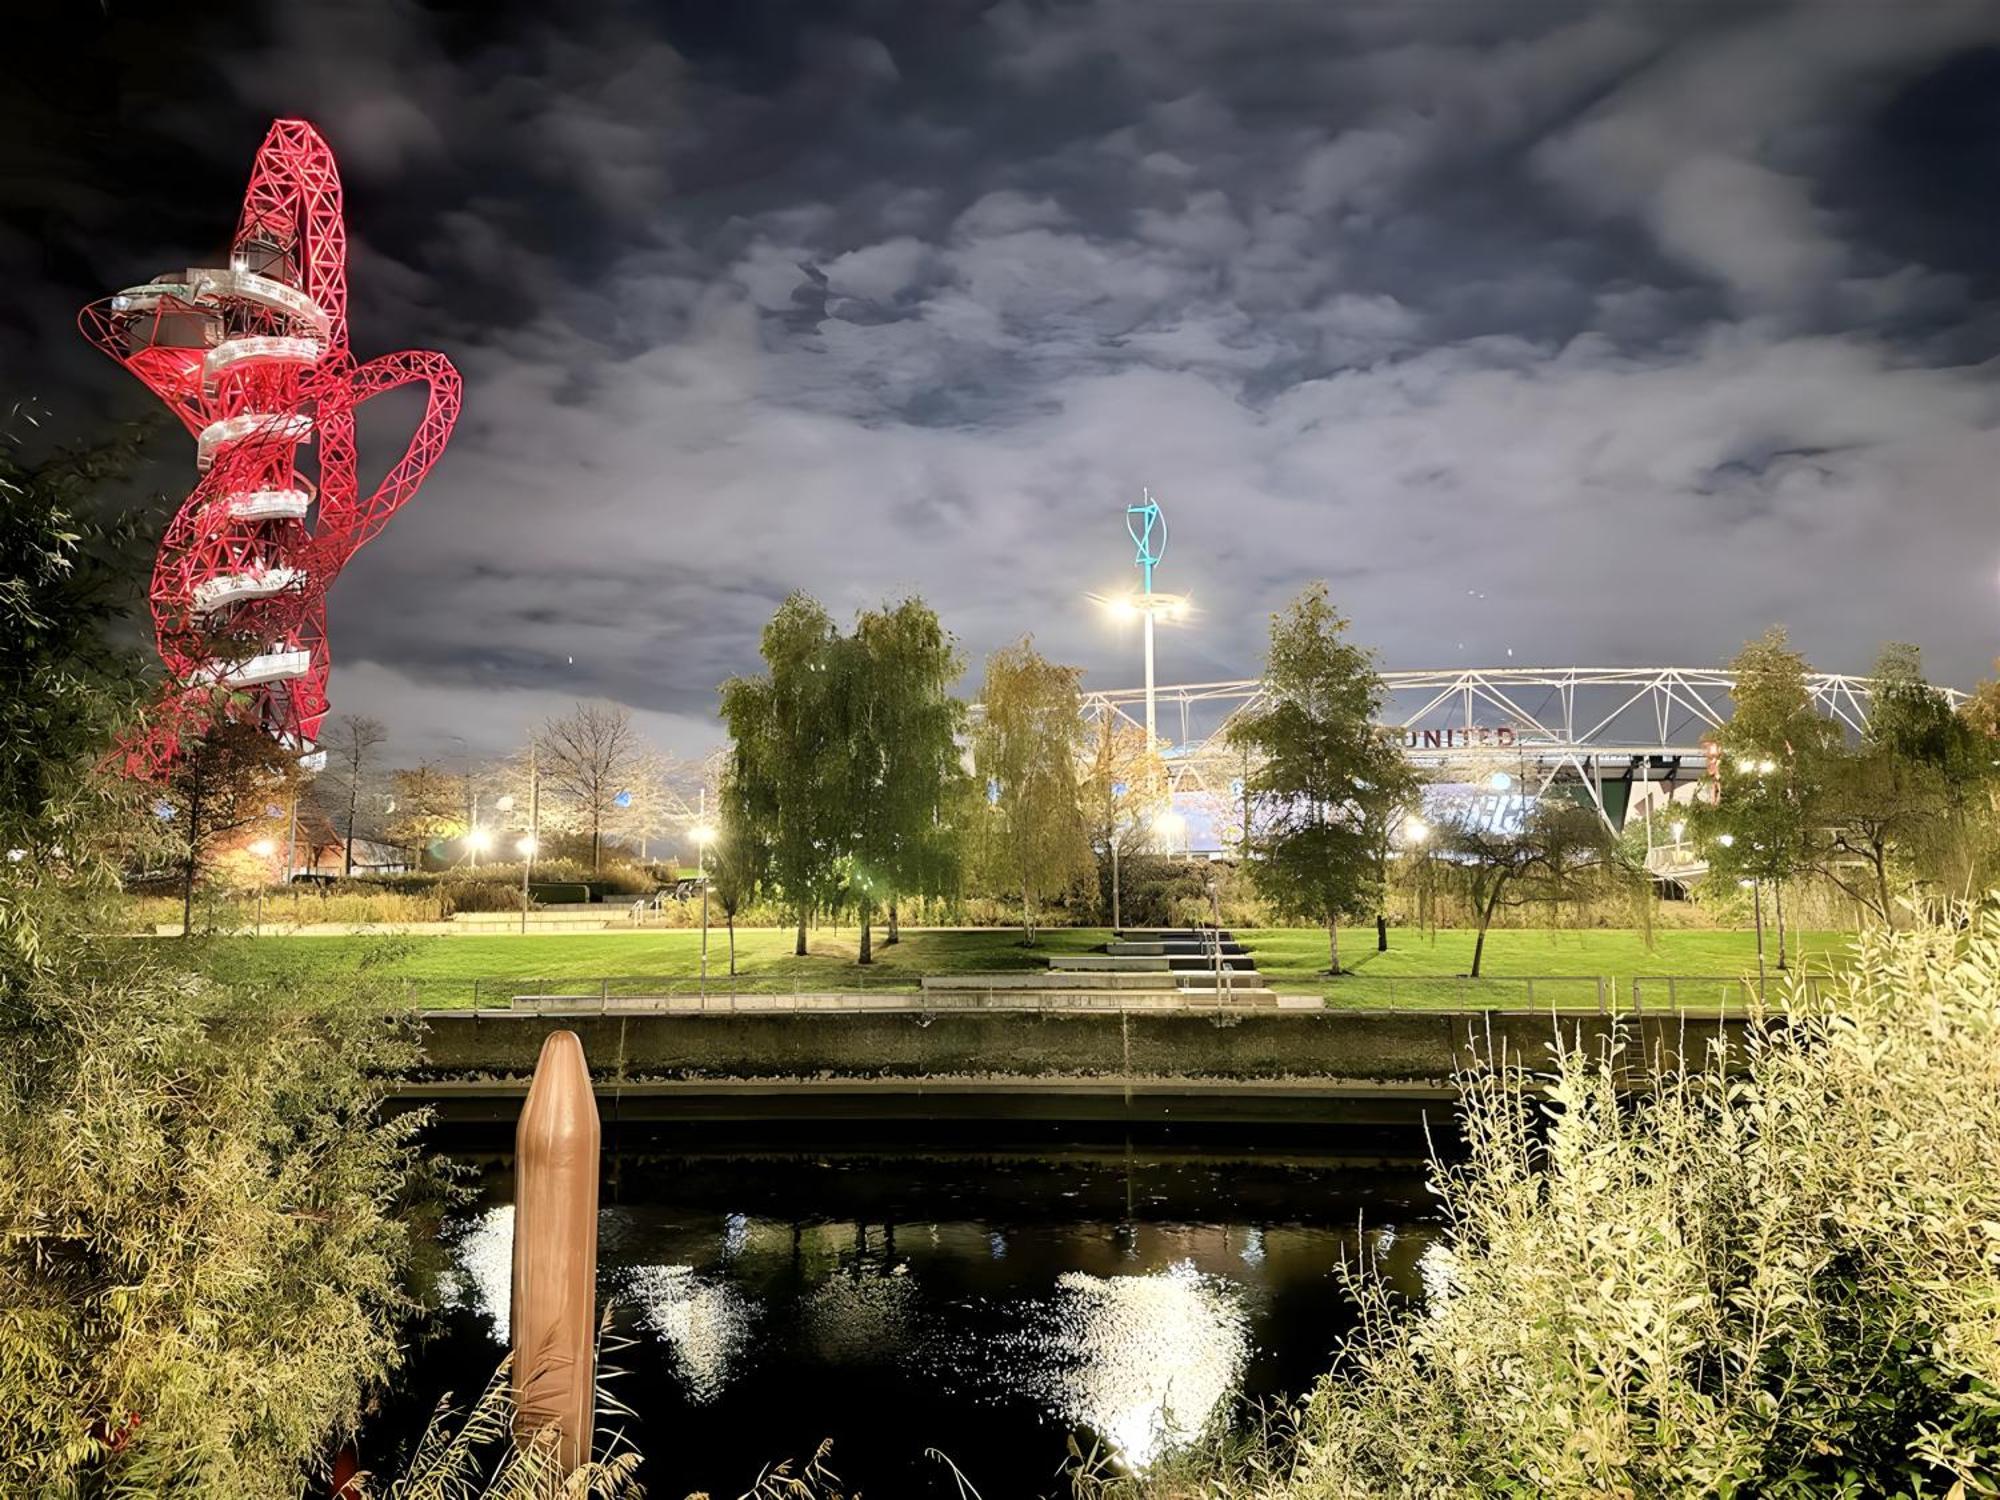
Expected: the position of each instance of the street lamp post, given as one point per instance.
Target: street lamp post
(263, 849)
(527, 851)
(703, 837)
(1116, 925)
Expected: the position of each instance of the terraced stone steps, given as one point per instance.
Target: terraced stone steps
(1145, 966)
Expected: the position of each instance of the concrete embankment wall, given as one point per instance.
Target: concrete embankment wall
(1386, 1047)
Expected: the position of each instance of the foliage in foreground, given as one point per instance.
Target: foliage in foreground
(476, 1458)
(1779, 1284)
(204, 1252)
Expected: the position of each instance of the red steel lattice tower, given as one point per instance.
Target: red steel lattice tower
(253, 358)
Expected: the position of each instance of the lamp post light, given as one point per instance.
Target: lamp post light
(263, 849)
(703, 836)
(526, 849)
(1170, 825)
(1146, 523)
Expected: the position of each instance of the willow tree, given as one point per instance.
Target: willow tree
(1026, 751)
(786, 762)
(901, 752)
(1323, 784)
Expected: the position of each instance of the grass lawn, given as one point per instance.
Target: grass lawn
(1417, 970)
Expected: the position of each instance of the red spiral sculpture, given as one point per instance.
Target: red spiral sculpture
(253, 358)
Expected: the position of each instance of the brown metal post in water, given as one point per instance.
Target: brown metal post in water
(555, 1252)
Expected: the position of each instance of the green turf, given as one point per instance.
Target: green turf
(1417, 971)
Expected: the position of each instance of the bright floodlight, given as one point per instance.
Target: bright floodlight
(701, 833)
(263, 848)
(1120, 606)
(1169, 824)
(479, 839)
(1415, 830)
(526, 848)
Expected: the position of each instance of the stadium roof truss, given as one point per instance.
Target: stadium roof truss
(1637, 723)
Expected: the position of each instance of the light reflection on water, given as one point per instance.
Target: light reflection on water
(1144, 1360)
(1138, 1335)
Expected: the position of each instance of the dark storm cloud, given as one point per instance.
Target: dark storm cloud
(1650, 323)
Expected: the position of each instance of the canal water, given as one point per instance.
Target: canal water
(989, 1305)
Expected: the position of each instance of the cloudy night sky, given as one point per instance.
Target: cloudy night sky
(1597, 333)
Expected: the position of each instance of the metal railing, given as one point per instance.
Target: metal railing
(919, 1003)
(1684, 992)
(1588, 992)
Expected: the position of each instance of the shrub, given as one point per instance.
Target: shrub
(203, 1256)
(1782, 1283)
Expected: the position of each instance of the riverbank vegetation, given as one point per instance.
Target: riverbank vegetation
(1783, 1283)
(209, 1236)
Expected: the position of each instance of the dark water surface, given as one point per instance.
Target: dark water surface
(982, 1302)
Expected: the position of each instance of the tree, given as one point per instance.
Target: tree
(352, 744)
(232, 778)
(901, 728)
(1025, 749)
(737, 861)
(785, 728)
(1323, 783)
(426, 804)
(589, 758)
(1118, 785)
(1561, 851)
(1938, 766)
(1776, 760)
(65, 688)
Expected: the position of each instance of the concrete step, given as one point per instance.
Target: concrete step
(1168, 947)
(1168, 934)
(1121, 963)
(1195, 978)
(1030, 979)
(1236, 994)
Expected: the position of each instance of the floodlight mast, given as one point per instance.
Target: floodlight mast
(253, 358)
(1146, 524)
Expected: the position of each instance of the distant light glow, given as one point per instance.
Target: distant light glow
(1727, 840)
(506, 803)
(479, 840)
(1499, 781)
(1415, 830)
(526, 848)
(263, 848)
(1677, 828)
(702, 834)
(1170, 824)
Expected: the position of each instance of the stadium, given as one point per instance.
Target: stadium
(1630, 741)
